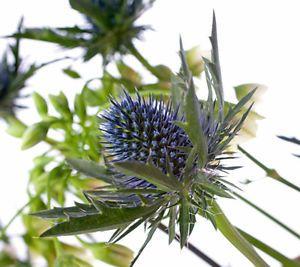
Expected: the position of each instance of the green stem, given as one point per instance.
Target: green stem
(144, 61)
(286, 262)
(272, 173)
(267, 215)
(233, 236)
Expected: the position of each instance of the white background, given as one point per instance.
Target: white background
(259, 42)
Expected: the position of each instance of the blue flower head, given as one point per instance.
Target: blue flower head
(145, 129)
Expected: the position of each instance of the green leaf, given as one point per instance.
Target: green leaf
(129, 73)
(286, 262)
(112, 218)
(71, 73)
(91, 169)
(60, 103)
(149, 173)
(80, 108)
(40, 104)
(193, 126)
(234, 237)
(34, 134)
(15, 128)
(172, 222)
(215, 190)
(216, 61)
(184, 221)
(66, 260)
(238, 107)
(49, 35)
(113, 254)
(193, 113)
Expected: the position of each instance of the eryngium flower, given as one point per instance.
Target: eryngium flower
(145, 129)
(110, 28)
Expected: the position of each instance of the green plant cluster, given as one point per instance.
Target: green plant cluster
(73, 165)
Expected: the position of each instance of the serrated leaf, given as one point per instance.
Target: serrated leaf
(113, 218)
(149, 173)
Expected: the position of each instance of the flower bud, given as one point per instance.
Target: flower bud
(40, 104)
(194, 58)
(34, 134)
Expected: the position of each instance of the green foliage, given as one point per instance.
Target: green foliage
(74, 164)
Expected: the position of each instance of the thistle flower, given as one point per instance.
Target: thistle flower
(144, 129)
(165, 162)
(110, 29)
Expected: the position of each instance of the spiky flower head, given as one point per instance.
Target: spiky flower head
(109, 30)
(145, 129)
(164, 159)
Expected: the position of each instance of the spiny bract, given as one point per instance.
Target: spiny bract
(140, 129)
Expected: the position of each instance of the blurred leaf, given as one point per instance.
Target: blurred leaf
(15, 128)
(113, 254)
(61, 105)
(40, 104)
(129, 74)
(66, 260)
(49, 35)
(79, 107)
(194, 59)
(72, 73)
(244, 89)
(165, 72)
(34, 134)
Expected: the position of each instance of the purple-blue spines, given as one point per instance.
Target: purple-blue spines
(139, 129)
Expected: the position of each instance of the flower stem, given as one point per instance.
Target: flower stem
(191, 248)
(272, 173)
(286, 262)
(144, 61)
(267, 215)
(234, 237)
